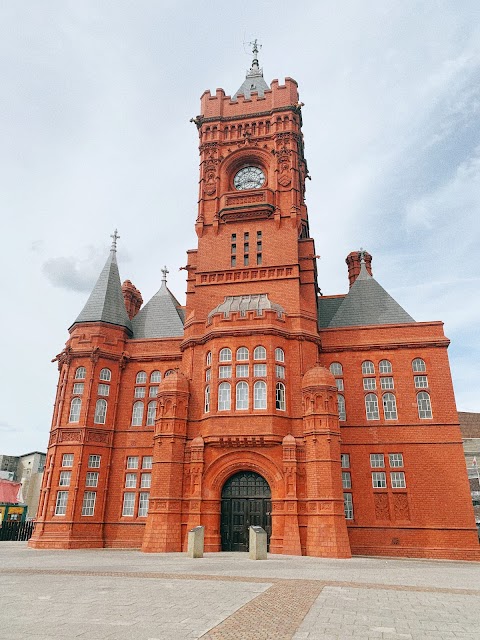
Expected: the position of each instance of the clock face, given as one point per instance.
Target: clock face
(249, 178)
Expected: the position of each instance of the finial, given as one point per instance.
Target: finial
(164, 272)
(114, 237)
(255, 49)
(361, 255)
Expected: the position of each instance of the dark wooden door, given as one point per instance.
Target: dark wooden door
(245, 501)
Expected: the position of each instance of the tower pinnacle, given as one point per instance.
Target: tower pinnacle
(114, 237)
(164, 271)
(254, 78)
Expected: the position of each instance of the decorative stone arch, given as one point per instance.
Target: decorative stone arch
(243, 157)
(221, 469)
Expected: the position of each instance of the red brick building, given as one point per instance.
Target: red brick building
(329, 421)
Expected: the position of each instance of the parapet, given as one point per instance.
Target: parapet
(221, 105)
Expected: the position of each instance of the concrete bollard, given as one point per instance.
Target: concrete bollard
(195, 542)
(257, 543)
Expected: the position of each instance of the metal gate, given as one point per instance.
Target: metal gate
(16, 530)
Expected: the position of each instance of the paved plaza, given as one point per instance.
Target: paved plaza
(129, 595)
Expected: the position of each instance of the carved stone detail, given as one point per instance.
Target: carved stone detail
(400, 506)
(382, 510)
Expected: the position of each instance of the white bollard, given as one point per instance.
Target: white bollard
(257, 543)
(195, 542)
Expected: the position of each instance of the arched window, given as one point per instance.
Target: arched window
(336, 369)
(137, 414)
(225, 355)
(368, 367)
(100, 412)
(169, 372)
(207, 399)
(105, 374)
(242, 353)
(224, 396)
(389, 406)
(80, 373)
(280, 396)
(279, 355)
(385, 366)
(141, 377)
(75, 406)
(260, 353)
(424, 405)
(151, 412)
(371, 407)
(155, 376)
(242, 395)
(419, 365)
(209, 358)
(342, 415)
(260, 394)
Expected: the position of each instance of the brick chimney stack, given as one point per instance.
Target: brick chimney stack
(353, 261)
(132, 297)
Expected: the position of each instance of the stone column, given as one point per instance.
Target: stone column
(291, 535)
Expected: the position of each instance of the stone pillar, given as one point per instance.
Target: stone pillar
(257, 543)
(327, 534)
(164, 521)
(196, 537)
(291, 535)
(195, 478)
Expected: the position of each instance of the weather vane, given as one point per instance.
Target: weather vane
(114, 237)
(164, 272)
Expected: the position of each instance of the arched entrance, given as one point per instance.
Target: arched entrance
(246, 500)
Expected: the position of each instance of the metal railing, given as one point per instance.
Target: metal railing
(17, 531)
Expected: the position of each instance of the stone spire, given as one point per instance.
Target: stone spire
(106, 303)
(254, 79)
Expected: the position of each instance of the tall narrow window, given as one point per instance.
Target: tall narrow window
(100, 412)
(260, 395)
(424, 405)
(242, 395)
(143, 498)
(208, 359)
(155, 376)
(346, 480)
(233, 250)
(397, 480)
(348, 506)
(224, 396)
(280, 396)
(91, 479)
(88, 506)
(379, 480)
(342, 414)
(106, 375)
(207, 399)
(246, 248)
(371, 407)
(141, 377)
(345, 460)
(259, 247)
(137, 414)
(151, 412)
(336, 369)
(279, 355)
(61, 503)
(64, 480)
(75, 407)
(128, 504)
(389, 406)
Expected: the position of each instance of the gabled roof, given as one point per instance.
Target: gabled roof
(241, 304)
(161, 317)
(366, 303)
(106, 303)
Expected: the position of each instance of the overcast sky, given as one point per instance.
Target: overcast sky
(95, 102)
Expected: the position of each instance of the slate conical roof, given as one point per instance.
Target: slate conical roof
(106, 303)
(367, 302)
(254, 80)
(161, 317)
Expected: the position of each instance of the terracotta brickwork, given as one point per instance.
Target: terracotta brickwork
(146, 432)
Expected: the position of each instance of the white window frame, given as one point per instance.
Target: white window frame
(242, 354)
(94, 461)
(141, 377)
(61, 502)
(418, 365)
(336, 369)
(385, 366)
(389, 404)
(424, 406)
(260, 370)
(130, 481)
(137, 413)
(280, 397)
(151, 413)
(379, 480)
(155, 376)
(339, 383)
(132, 462)
(75, 409)
(224, 396)
(208, 375)
(225, 355)
(342, 413)
(80, 373)
(241, 396)
(206, 407)
(224, 371)
(279, 355)
(368, 368)
(208, 359)
(345, 460)
(67, 460)
(387, 383)
(91, 479)
(64, 478)
(346, 480)
(153, 392)
(369, 384)
(377, 460)
(145, 481)
(395, 460)
(147, 462)
(260, 353)
(397, 480)
(143, 500)
(105, 374)
(88, 504)
(260, 395)
(139, 392)
(348, 506)
(242, 370)
(100, 416)
(420, 382)
(280, 371)
(128, 508)
(103, 389)
(78, 388)
(371, 407)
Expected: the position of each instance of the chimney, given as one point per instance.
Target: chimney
(132, 298)
(353, 261)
